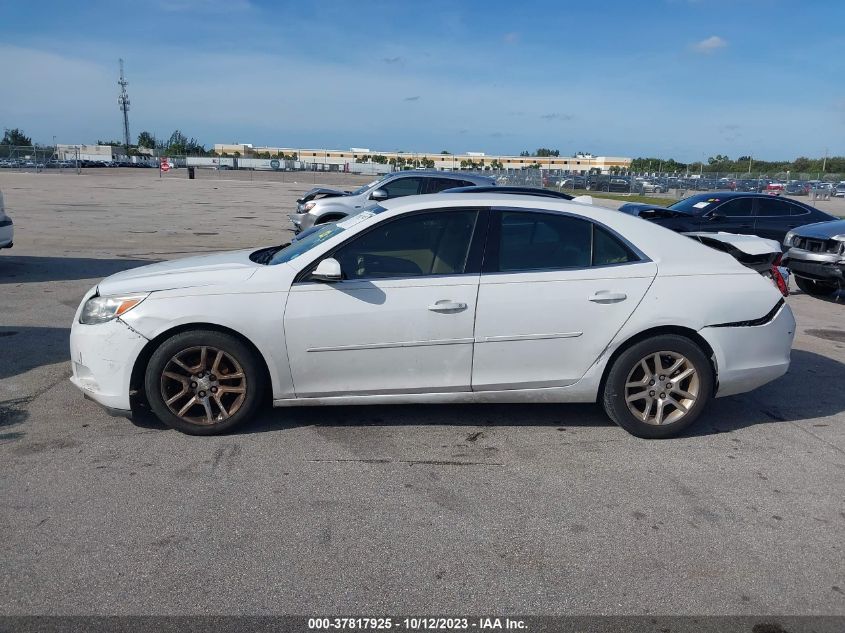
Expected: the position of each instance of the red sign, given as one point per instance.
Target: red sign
(164, 165)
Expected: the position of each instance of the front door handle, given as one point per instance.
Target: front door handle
(605, 296)
(446, 305)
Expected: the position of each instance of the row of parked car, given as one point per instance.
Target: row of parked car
(816, 255)
(645, 185)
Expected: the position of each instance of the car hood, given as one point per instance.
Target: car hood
(748, 244)
(218, 269)
(321, 192)
(822, 230)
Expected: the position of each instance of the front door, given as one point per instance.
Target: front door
(554, 292)
(401, 321)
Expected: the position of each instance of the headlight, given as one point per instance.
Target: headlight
(308, 206)
(102, 309)
(787, 240)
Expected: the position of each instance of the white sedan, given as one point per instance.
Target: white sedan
(445, 298)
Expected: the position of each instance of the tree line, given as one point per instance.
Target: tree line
(721, 163)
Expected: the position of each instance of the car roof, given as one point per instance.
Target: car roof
(512, 190)
(435, 173)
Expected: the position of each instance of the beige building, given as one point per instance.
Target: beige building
(579, 163)
(87, 152)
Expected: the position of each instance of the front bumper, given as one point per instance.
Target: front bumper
(301, 221)
(102, 357)
(750, 357)
(817, 266)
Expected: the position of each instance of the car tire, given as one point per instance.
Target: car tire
(816, 288)
(635, 387)
(605, 188)
(221, 375)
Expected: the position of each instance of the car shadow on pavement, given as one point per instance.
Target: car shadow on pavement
(29, 269)
(25, 348)
(784, 400)
(836, 297)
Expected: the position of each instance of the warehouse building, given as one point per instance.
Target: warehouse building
(343, 159)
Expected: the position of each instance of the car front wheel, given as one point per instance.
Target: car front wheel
(203, 382)
(658, 387)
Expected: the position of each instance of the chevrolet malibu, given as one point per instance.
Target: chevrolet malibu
(438, 299)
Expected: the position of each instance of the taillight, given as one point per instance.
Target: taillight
(780, 282)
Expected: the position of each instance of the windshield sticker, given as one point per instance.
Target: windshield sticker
(701, 205)
(355, 219)
(324, 234)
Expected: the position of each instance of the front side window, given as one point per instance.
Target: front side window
(434, 243)
(545, 241)
(737, 208)
(403, 187)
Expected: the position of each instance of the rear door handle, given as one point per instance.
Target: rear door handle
(446, 305)
(605, 296)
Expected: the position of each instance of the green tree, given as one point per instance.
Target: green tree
(15, 136)
(145, 139)
(546, 152)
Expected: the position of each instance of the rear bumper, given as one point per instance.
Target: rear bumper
(750, 357)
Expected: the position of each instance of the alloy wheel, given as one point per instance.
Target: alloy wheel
(662, 388)
(203, 385)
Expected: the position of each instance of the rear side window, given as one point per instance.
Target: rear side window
(794, 209)
(435, 185)
(544, 241)
(773, 207)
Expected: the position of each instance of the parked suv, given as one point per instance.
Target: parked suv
(321, 205)
(816, 256)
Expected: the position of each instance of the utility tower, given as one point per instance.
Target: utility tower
(123, 102)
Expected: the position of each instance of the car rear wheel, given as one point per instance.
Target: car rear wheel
(203, 382)
(658, 387)
(816, 288)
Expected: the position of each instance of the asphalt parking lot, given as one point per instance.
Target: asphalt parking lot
(541, 509)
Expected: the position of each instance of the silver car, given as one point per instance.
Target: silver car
(321, 205)
(816, 257)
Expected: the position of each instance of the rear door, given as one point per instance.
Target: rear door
(554, 291)
(776, 216)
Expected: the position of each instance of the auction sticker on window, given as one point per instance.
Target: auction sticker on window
(701, 205)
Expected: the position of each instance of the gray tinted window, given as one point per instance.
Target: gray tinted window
(768, 207)
(737, 208)
(532, 241)
(403, 187)
(423, 244)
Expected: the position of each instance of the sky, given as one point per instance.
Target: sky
(686, 79)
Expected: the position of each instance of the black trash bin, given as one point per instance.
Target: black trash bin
(191, 174)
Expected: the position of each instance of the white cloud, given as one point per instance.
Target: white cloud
(709, 45)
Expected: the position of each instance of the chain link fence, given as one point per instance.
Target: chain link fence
(288, 169)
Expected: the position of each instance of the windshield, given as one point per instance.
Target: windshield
(322, 233)
(695, 204)
(363, 188)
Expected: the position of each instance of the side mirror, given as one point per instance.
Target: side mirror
(327, 270)
(378, 194)
(716, 217)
